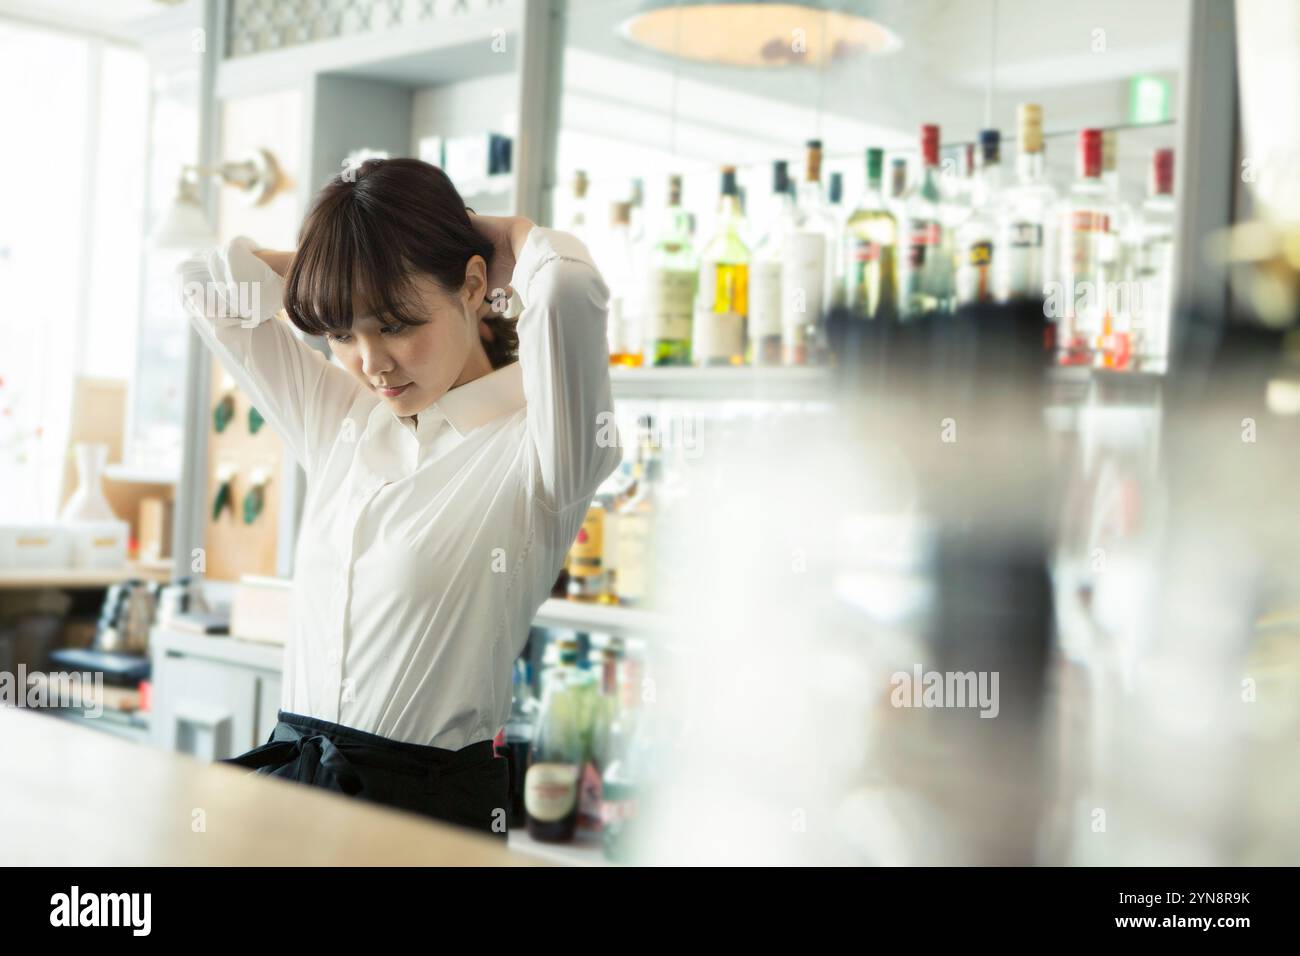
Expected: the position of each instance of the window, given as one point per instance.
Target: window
(72, 176)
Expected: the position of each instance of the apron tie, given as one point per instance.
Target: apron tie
(309, 758)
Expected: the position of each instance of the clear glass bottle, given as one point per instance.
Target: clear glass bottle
(807, 269)
(635, 528)
(1155, 265)
(722, 302)
(1026, 230)
(624, 790)
(839, 218)
(925, 264)
(671, 284)
(1119, 258)
(870, 251)
(577, 222)
(1085, 228)
(765, 272)
(977, 236)
(618, 267)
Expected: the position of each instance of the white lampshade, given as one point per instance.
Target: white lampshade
(184, 225)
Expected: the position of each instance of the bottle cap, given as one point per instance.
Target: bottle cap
(875, 165)
(1090, 153)
(930, 144)
(813, 172)
(780, 177)
(1162, 172)
(990, 147)
(1029, 119)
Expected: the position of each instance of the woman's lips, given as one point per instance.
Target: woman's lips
(392, 392)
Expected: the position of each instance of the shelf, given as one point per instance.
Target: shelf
(722, 384)
(447, 49)
(81, 577)
(585, 850)
(139, 476)
(601, 618)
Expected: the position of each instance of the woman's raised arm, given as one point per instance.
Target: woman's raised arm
(232, 295)
(564, 356)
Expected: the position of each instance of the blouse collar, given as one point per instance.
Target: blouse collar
(475, 403)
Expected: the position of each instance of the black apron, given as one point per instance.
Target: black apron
(469, 787)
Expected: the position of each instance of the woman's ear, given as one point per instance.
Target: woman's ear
(476, 289)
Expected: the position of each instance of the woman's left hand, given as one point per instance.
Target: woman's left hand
(507, 235)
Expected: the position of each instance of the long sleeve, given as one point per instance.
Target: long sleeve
(232, 298)
(564, 359)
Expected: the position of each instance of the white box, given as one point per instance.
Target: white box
(98, 544)
(34, 547)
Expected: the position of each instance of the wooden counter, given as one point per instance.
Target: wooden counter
(70, 796)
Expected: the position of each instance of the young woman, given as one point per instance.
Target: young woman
(451, 454)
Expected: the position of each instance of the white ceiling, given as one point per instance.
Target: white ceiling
(108, 17)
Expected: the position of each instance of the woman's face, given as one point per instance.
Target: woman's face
(411, 367)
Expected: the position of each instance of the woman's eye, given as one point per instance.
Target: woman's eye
(341, 338)
(393, 329)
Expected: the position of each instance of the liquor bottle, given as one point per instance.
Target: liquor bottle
(623, 788)
(957, 186)
(557, 756)
(587, 557)
(870, 249)
(577, 223)
(1113, 348)
(519, 731)
(1026, 230)
(977, 236)
(635, 527)
(839, 218)
(897, 180)
(671, 286)
(765, 272)
(1155, 264)
(1085, 224)
(806, 269)
(722, 303)
(598, 692)
(618, 268)
(925, 265)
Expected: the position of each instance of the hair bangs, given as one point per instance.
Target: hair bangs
(348, 266)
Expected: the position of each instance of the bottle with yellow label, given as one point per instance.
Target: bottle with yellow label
(587, 557)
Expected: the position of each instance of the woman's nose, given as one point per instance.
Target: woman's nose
(375, 359)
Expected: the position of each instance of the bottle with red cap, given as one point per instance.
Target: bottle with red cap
(1077, 297)
(1156, 264)
(925, 267)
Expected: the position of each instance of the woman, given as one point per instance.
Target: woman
(446, 480)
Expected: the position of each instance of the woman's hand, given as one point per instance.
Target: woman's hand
(507, 235)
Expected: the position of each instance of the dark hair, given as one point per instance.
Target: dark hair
(371, 229)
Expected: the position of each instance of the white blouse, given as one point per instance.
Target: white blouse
(425, 549)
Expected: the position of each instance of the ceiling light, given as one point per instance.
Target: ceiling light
(757, 33)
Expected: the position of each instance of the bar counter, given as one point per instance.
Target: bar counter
(70, 796)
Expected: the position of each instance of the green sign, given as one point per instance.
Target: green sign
(1148, 100)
